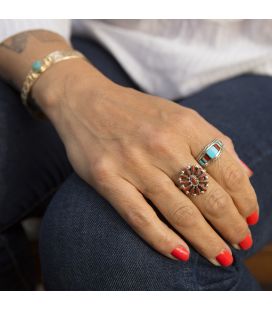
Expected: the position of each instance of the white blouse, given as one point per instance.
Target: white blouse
(172, 58)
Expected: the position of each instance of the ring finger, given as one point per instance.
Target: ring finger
(229, 174)
(183, 215)
(218, 208)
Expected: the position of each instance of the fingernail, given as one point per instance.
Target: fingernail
(246, 243)
(249, 170)
(253, 218)
(225, 258)
(181, 253)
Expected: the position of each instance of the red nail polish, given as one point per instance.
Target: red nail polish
(225, 258)
(253, 218)
(251, 172)
(181, 253)
(246, 243)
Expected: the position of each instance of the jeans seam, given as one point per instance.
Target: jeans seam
(34, 206)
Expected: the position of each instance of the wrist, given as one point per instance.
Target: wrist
(18, 52)
(64, 83)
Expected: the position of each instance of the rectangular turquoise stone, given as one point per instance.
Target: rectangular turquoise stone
(212, 152)
(202, 162)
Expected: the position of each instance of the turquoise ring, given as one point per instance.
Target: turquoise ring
(210, 153)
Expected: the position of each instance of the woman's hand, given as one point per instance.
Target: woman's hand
(129, 146)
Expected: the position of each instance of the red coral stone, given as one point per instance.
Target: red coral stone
(194, 180)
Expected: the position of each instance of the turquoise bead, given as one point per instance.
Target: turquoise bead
(212, 152)
(36, 66)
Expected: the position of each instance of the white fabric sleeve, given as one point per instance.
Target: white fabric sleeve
(9, 27)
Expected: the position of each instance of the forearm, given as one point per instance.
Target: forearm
(18, 52)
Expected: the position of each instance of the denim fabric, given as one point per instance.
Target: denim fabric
(32, 160)
(32, 166)
(84, 242)
(17, 265)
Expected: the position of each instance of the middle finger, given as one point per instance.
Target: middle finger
(218, 208)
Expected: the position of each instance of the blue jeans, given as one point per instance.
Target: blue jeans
(84, 243)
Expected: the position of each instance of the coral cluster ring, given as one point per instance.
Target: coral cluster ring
(193, 180)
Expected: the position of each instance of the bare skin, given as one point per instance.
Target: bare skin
(129, 146)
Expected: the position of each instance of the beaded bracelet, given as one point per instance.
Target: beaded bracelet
(37, 68)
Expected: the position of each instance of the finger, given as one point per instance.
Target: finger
(135, 210)
(229, 174)
(218, 208)
(230, 147)
(212, 131)
(184, 216)
(249, 172)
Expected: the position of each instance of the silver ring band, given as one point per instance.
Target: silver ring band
(210, 153)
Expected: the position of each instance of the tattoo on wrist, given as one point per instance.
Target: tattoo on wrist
(17, 43)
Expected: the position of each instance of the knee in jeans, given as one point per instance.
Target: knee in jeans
(85, 244)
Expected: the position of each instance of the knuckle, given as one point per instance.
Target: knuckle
(161, 241)
(157, 188)
(150, 189)
(234, 177)
(190, 117)
(158, 140)
(138, 219)
(239, 230)
(250, 200)
(191, 112)
(217, 203)
(185, 121)
(129, 153)
(236, 231)
(178, 115)
(183, 217)
(227, 140)
(101, 170)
